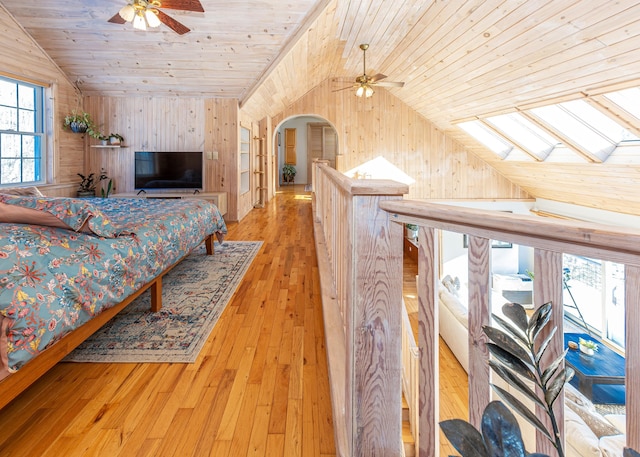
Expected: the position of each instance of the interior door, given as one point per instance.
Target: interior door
(290, 146)
(315, 146)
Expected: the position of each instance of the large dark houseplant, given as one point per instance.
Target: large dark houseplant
(516, 358)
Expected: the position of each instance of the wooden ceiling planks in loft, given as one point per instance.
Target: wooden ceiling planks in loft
(227, 50)
(459, 59)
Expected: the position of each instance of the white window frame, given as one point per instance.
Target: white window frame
(10, 128)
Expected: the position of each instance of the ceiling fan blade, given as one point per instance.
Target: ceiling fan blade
(345, 88)
(389, 84)
(174, 25)
(184, 5)
(117, 19)
(377, 77)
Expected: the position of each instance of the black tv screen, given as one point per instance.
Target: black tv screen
(168, 170)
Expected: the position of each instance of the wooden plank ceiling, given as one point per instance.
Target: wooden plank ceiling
(458, 59)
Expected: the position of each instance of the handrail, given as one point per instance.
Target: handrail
(364, 247)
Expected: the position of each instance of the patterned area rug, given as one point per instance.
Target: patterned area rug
(194, 295)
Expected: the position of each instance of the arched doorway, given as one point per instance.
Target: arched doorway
(314, 137)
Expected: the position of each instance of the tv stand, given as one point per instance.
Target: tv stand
(217, 198)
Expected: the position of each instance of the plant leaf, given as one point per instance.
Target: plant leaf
(505, 341)
(516, 382)
(545, 343)
(557, 384)
(464, 438)
(501, 432)
(511, 329)
(512, 362)
(541, 319)
(551, 369)
(516, 313)
(521, 409)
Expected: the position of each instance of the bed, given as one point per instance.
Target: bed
(68, 265)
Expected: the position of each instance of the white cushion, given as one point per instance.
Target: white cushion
(612, 446)
(579, 436)
(455, 306)
(619, 421)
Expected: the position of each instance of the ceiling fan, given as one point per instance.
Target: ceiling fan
(364, 83)
(147, 13)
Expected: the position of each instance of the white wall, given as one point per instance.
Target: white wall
(300, 124)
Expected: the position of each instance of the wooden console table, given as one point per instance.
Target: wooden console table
(217, 198)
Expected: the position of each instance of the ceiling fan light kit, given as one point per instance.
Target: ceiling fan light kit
(146, 13)
(142, 14)
(364, 83)
(364, 91)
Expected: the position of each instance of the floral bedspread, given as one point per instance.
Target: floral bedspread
(52, 280)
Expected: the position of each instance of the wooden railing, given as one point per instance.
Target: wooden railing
(359, 231)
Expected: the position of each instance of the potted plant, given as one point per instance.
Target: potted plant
(588, 347)
(87, 187)
(288, 173)
(412, 231)
(103, 140)
(81, 122)
(516, 356)
(104, 192)
(115, 138)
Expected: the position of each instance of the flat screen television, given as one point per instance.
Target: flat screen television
(168, 170)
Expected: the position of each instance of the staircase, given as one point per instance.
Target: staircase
(409, 443)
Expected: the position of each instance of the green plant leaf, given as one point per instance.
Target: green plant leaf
(464, 438)
(501, 432)
(516, 313)
(543, 346)
(557, 384)
(539, 319)
(552, 368)
(512, 362)
(511, 329)
(515, 381)
(507, 342)
(521, 409)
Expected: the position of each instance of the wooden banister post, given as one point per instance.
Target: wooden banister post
(374, 328)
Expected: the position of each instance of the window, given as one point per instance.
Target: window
(485, 136)
(593, 129)
(21, 132)
(524, 132)
(594, 291)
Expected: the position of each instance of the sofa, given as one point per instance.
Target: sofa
(587, 432)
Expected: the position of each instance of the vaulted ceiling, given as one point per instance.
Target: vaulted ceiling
(458, 59)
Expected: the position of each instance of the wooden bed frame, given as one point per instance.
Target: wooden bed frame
(16, 383)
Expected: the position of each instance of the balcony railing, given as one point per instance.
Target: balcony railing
(359, 234)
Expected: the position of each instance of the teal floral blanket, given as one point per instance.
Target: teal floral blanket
(89, 255)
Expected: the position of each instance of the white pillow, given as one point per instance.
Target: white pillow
(579, 436)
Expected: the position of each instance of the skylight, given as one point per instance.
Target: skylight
(484, 135)
(628, 99)
(585, 129)
(524, 133)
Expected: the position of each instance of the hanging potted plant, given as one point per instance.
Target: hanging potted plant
(78, 121)
(81, 122)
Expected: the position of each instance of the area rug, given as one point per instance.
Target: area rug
(194, 295)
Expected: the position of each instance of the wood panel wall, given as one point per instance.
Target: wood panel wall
(22, 58)
(384, 126)
(147, 124)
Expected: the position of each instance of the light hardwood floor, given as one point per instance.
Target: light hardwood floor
(259, 387)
